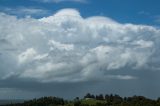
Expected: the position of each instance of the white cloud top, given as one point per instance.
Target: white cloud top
(66, 47)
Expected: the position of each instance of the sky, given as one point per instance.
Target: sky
(67, 48)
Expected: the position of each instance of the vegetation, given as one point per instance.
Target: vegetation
(91, 100)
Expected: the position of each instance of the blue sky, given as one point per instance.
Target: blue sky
(125, 11)
(68, 48)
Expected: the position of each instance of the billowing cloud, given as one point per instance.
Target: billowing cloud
(66, 47)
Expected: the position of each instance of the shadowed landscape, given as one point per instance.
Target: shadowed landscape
(90, 100)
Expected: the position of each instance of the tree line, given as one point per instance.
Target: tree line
(91, 100)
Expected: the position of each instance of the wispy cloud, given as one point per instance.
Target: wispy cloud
(144, 13)
(154, 18)
(24, 11)
(122, 77)
(157, 19)
(60, 1)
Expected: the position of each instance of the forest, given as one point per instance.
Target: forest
(91, 100)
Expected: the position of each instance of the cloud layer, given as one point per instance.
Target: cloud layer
(66, 47)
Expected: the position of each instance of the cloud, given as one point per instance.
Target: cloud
(60, 46)
(157, 19)
(144, 13)
(66, 47)
(60, 1)
(123, 77)
(26, 11)
(27, 55)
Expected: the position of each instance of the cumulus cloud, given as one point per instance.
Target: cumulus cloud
(66, 47)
